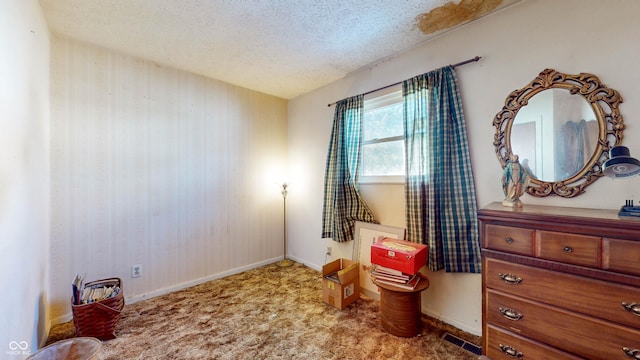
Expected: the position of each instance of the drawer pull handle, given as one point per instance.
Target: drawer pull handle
(510, 279)
(509, 351)
(508, 240)
(567, 249)
(632, 308)
(511, 314)
(634, 354)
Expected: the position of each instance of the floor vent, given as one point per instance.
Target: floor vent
(475, 349)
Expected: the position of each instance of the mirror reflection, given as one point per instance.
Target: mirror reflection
(561, 126)
(555, 135)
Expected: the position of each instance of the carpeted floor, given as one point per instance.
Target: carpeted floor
(264, 313)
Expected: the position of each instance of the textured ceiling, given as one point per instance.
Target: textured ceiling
(280, 47)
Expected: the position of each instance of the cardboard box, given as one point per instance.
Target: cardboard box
(400, 255)
(340, 283)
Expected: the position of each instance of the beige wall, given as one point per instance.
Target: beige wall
(158, 167)
(178, 173)
(571, 36)
(24, 176)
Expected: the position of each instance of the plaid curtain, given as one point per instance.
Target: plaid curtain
(439, 190)
(343, 205)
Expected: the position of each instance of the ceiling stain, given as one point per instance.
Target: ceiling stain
(451, 14)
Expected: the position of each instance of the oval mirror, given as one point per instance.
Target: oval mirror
(561, 127)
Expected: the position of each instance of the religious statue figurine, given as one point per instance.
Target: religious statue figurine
(514, 182)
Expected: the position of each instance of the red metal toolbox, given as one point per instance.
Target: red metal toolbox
(401, 255)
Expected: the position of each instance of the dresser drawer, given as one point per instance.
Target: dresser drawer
(569, 248)
(622, 255)
(577, 334)
(505, 345)
(510, 239)
(574, 293)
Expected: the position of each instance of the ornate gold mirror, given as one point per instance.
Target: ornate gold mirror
(561, 127)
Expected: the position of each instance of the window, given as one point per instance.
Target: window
(382, 137)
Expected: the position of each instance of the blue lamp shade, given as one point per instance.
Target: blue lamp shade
(620, 163)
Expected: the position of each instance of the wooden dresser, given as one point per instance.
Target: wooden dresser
(559, 283)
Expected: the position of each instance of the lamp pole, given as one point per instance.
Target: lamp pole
(284, 262)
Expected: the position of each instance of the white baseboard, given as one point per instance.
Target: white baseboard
(199, 281)
(369, 293)
(460, 325)
(183, 285)
(311, 265)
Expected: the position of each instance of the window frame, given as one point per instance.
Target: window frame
(388, 96)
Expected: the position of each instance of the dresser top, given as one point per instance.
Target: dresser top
(557, 211)
(596, 221)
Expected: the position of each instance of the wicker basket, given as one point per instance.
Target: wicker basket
(99, 319)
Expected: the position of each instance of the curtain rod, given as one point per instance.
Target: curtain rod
(399, 82)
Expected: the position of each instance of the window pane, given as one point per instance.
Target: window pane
(382, 122)
(383, 159)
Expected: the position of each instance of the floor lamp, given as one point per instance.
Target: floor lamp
(284, 262)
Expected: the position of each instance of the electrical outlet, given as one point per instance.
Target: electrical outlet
(328, 250)
(136, 271)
